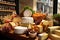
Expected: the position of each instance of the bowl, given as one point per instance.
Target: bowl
(20, 30)
(32, 34)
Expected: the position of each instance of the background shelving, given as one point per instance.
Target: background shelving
(7, 6)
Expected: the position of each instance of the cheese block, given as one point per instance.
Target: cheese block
(54, 37)
(27, 13)
(27, 20)
(45, 22)
(57, 32)
(41, 28)
(16, 19)
(43, 36)
(12, 24)
(51, 29)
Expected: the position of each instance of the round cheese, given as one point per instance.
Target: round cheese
(27, 20)
(27, 13)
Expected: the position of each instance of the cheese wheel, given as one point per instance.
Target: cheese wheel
(27, 20)
(27, 13)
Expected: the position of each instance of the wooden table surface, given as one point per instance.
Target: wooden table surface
(14, 36)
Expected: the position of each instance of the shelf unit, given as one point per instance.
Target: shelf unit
(7, 10)
(7, 6)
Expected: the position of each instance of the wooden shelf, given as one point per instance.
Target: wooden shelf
(7, 4)
(7, 10)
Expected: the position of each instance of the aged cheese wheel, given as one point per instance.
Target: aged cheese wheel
(27, 13)
(27, 20)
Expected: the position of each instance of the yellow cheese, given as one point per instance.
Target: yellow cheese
(43, 36)
(41, 28)
(53, 28)
(13, 24)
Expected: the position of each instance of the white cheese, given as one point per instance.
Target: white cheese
(27, 20)
(27, 13)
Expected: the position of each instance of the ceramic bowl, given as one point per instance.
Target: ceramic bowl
(20, 30)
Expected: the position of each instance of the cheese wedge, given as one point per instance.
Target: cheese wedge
(13, 24)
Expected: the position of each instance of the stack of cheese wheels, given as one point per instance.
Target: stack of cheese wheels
(27, 16)
(27, 19)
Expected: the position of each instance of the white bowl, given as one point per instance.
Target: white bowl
(20, 30)
(32, 35)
